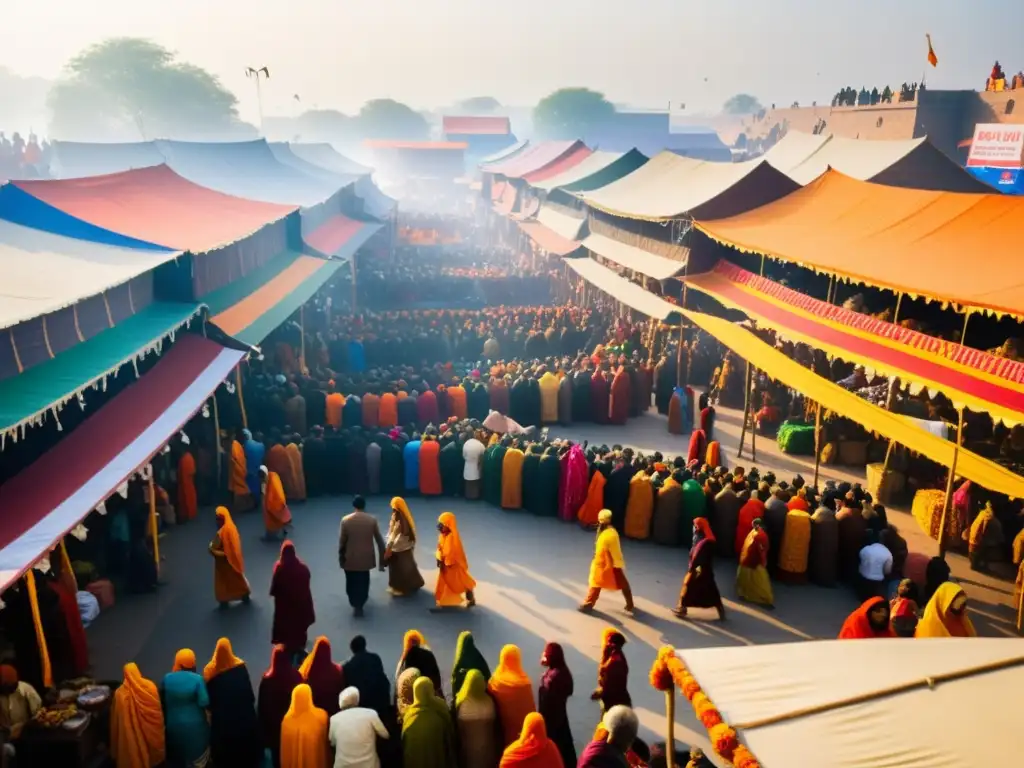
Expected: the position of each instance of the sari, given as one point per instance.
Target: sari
(533, 748)
(229, 582)
(858, 626)
(293, 601)
(594, 502)
(276, 514)
(613, 671)
(137, 722)
(512, 479)
(323, 676)
(573, 485)
(467, 658)
(512, 692)
(453, 577)
(427, 736)
(639, 507)
(475, 721)
(939, 620)
(274, 699)
(556, 686)
(188, 504)
(303, 732)
(236, 478)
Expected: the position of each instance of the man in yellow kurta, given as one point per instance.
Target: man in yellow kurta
(512, 478)
(276, 514)
(639, 506)
(453, 577)
(608, 568)
(548, 384)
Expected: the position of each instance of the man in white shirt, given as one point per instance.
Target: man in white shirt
(353, 733)
(875, 567)
(473, 453)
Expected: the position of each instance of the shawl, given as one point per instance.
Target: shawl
(303, 732)
(398, 505)
(222, 660)
(533, 747)
(184, 659)
(449, 545)
(427, 727)
(857, 625)
(939, 621)
(510, 669)
(467, 658)
(707, 537)
(230, 540)
(472, 694)
(137, 722)
(404, 686)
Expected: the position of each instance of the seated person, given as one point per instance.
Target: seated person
(19, 703)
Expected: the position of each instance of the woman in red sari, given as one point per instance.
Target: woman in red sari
(871, 620)
(323, 676)
(621, 397)
(293, 602)
(533, 748)
(699, 587)
(575, 480)
(274, 698)
(612, 673)
(599, 396)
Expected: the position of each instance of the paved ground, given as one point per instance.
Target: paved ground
(532, 574)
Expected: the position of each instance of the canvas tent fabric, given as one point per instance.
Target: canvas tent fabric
(73, 159)
(913, 163)
(569, 227)
(328, 158)
(532, 159)
(375, 203)
(249, 309)
(630, 294)
(597, 170)
(53, 494)
(565, 163)
(548, 239)
(669, 186)
(475, 126)
(45, 388)
(634, 258)
(157, 206)
(283, 153)
(246, 169)
(913, 241)
(929, 725)
(969, 377)
(778, 366)
(340, 237)
(507, 153)
(41, 272)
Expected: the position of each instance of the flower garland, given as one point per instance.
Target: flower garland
(668, 671)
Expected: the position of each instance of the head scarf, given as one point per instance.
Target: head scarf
(473, 689)
(533, 743)
(857, 625)
(604, 517)
(287, 558)
(939, 621)
(426, 710)
(304, 730)
(137, 721)
(412, 639)
(223, 659)
(702, 525)
(450, 544)
(184, 659)
(8, 675)
(467, 658)
(510, 669)
(611, 640)
(280, 666)
(230, 540)
(557, 677)
(318, 660)
(398, 505)
(403, 687)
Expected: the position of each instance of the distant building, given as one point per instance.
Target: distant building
(399, 161)
(482, 135)
(651, 133)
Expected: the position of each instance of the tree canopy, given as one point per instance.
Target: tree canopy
(478, 105)
(570, 113)
(324, 125)
(390, 119)
(130, 88)
(742, 104)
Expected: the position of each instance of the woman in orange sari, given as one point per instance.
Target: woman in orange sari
(430, 466)
(137, 722)
(188, 504)
(242, 497)
(512, 692)
(229, 582)
(298, 473)
(453, 577)
(533, 748)
(304, 732)
(276, 514)
(594, 502)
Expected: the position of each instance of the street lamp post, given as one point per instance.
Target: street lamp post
(257, 74)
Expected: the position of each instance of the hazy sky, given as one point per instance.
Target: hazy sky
(339, 53)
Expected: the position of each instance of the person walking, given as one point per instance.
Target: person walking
(359, 533)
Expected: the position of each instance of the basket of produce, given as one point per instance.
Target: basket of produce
(55, 715)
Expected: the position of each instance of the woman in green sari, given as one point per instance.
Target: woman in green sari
(476, 723)
(427, 736)
(467, 657)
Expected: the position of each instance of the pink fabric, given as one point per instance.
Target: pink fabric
(574, 483)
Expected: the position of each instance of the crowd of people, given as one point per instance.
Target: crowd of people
(21, 159)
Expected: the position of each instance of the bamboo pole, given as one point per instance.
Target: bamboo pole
(680, 373)
(828, 294)
(241, 399)
(753, 425)
(154, 529)
(352, 266)
(817, 443)
(219, 449)
(670, 727)
(963, 331)
(899, 301)
(947, 504)
(746, 411)
(302, 339)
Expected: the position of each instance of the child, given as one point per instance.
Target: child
(903, 609)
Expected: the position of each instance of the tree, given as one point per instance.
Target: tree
(324, 125)
(571, 113)
(742, 104)
(478, 105)
(390, 119)
(129, 88)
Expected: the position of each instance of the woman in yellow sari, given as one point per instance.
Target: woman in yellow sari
(242, 497)
(276, 514)
(512, 692)
(229, 582)
(137, 722)
(946, 614)
(453, 577)
(304, 732)
(512, 478)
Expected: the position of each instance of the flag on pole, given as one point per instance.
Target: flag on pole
(932, 58)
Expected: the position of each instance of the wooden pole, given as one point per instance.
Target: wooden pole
(753, 423)
(154, 528)
(681, 374)
(241, 398)
(828, 294)
(352, 266)
(302, 339)
(963, 332)
(219, 450)
(762, 266)
(817, 444)
(746, 411)
(947, 504)
(670, 727)
(899, 301)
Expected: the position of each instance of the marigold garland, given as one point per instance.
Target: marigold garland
(669, 669)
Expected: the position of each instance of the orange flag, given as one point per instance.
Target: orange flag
(932, 58)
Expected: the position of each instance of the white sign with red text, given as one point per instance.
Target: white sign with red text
(996, 146)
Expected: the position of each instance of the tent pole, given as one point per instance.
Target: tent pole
(899, 301)
(241, 399)
(963, 331)
(352, 265)
(219, 449)
(762, 265)
(947, 504)
(302, 339)
(817, 443)
(828, 294)
(753, 422)
(153, 527)
(680, 373)
(746, 411)
(670, 727)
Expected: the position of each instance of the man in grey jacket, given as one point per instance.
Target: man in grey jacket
(356, 556)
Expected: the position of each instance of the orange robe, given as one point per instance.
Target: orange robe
(371, 410)
(639, 507)
(457, 397)
(533, 749)
(512, 692)
(188, 504)
(512, 479)
(229, 582)
(387, 414)
(276, 514)
(304, 732)
(295, 459)
(236, 478)
(594, 502)
(454, 579)
(277, 461)
(332, 412)
(137, 722)
(430, 468)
